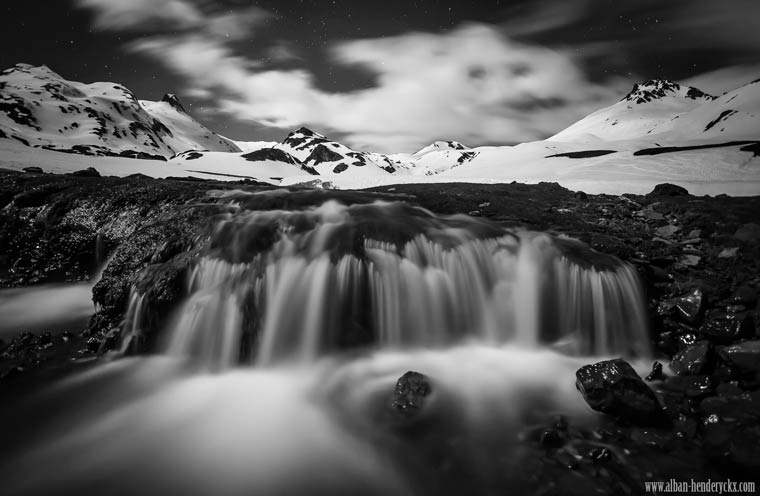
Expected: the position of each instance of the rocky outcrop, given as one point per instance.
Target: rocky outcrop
(614, 388)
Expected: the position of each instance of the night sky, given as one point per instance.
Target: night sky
(390, 75)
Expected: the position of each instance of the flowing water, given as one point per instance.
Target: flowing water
(276, 372)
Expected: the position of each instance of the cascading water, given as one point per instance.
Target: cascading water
(328, 279)
(498, 320)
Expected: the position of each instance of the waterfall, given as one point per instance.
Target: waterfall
(292, 286)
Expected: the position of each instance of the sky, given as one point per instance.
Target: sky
(388, 76)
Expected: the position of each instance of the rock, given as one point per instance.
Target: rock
(667, 189)
(693, 386)
(728, 253)
(691, 260)
(33, 170)
(613, 387)
(649, 214)
(88, 172)
(484, 205)
(744, 295)
(692, 360)
(656, 373)
(745, 356)
(474, 213)
(695, 234)
(410, 392)
(690, 308)
(551, 438)
(667, 231)
(748, 232)
(729, 327)
(580, 195)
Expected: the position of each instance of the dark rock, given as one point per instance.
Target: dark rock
(667, 189)
(410, 392)
(552, 439)
(342, 167)
(745, 356)
(744, 296)
(323, 154)
(692, 360)
(273, 154)
(34, 170)
(656, 373)
(749, 233)
(88, 172)
(172, 100)
(690, 308)
(613, 387)
(580, 195)
(693, 386)
(729, 327)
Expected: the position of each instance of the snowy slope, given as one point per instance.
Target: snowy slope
(41, 109)
(650, 108)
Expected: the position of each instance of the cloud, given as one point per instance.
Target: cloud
(120, 15)
(471, 84)
(724, 80)
(175, 15)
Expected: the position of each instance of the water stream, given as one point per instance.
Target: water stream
(275, 373)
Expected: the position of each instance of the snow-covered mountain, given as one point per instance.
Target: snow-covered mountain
(660, 109)
(41, 109)
(659, 132)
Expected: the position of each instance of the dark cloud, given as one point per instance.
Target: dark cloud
(393, 73)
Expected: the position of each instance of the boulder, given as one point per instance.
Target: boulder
(692, 360)
(667, 189)
(410, 392)
(88, 172)
(613, 387)
(33, 170)
(745, 356)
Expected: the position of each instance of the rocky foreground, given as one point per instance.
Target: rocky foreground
(699, 258)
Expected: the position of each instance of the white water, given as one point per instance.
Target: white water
(480, 311)
(443, 286)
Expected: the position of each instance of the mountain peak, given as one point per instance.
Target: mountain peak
(172, 100)
(655, 89)
(305, 131)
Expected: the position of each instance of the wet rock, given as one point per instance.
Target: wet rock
(667, 189)
(693, 386)
(613, 387)
(729, 327)
(692, 360)
(690, 307)
(410, 392)
(33, 170)
(656, 373)
(745, 356)
(749, 233)
(88, 172)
